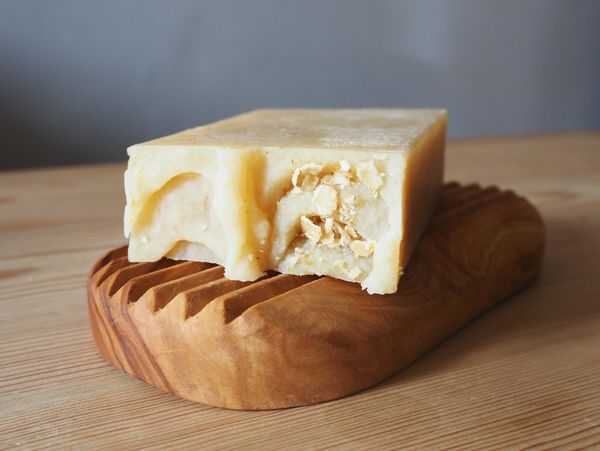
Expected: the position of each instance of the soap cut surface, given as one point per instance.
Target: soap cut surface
(344, 193)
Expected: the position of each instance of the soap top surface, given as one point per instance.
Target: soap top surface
(379, 129)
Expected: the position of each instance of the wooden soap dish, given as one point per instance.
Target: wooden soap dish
(284, 340)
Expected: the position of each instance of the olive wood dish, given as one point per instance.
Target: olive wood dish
(283, 340)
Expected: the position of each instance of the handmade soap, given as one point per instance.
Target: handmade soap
(344, 193)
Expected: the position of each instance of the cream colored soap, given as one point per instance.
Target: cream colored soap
(344, 193)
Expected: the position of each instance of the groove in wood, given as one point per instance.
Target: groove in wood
(160, 295)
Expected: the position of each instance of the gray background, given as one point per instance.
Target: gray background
(82, 80)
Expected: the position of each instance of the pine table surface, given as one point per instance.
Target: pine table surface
(526, 374)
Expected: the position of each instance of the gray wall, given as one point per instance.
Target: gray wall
(81, 80)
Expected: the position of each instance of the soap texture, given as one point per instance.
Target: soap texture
(343, 193)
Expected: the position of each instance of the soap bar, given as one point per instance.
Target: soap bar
(343, 193)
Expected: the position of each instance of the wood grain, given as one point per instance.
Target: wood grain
(286, 341)
(523, 375)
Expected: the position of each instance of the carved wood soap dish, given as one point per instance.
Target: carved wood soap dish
(285, 340)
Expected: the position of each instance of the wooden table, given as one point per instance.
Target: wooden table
(525, 374)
